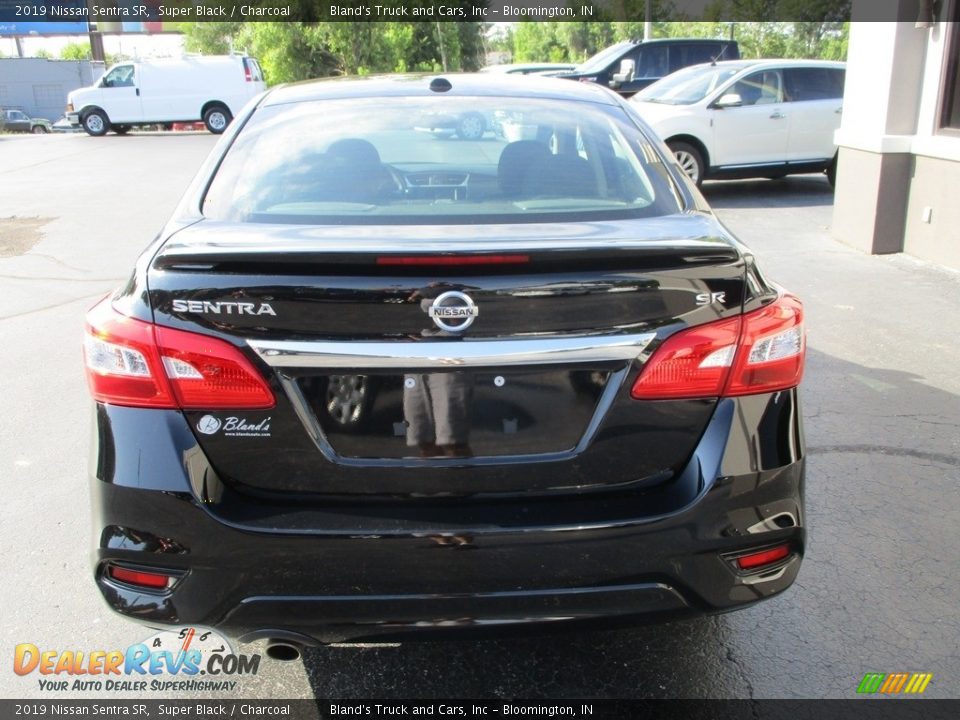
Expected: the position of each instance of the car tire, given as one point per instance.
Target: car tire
(689, 159)
(832, 172)
(216, 118)
(471, 126)
(120, 129)
(39, 130)
(95, 123)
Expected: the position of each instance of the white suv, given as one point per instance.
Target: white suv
(748, 118)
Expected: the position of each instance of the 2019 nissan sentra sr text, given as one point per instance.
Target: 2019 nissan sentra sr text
(369, 382)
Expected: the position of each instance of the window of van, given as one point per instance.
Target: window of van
(120, 76)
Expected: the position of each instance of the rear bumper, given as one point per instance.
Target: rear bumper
(335, 572)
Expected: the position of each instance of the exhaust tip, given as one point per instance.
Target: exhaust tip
(283, 651)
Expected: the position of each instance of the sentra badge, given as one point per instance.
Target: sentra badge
(222, 307)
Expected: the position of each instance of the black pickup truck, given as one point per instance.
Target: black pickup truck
(629, 66)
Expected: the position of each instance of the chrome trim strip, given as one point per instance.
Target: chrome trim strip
(769, 577)
(450, 354)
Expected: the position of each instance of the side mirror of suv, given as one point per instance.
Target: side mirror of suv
(624, 74)
(729, 100)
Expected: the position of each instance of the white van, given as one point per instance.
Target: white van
(212, 89)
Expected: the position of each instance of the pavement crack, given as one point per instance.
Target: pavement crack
(941, 458)
(51, 307)
(60, 279)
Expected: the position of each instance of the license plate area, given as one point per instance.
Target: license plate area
(450, 415)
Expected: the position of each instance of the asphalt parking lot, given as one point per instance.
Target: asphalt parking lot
(877, 592)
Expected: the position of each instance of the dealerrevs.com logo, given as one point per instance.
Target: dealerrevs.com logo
(186, 659)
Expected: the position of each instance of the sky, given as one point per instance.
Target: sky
(131, 45)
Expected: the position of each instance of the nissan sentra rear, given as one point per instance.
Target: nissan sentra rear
(372, 382)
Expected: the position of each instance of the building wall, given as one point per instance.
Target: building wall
(935, 185)
(39, 87)
(894, 162)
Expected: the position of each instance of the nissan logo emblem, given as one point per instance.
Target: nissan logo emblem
(453, 311)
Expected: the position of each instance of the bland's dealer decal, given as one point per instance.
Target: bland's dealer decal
(233, 426)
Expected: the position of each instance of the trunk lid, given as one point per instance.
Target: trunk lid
(375, 398)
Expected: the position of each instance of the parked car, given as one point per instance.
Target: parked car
(749, 118)
(188, 89)
(18, 121)
(581, 377)
(546, 69)
(468, 125)
(632, 65)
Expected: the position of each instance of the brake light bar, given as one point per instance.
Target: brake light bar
(451, 260)
(134, 363)
(761, 351)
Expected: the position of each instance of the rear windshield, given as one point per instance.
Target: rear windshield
(438, 160)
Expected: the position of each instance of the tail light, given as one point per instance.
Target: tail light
(138, 364)
(246, 71)
(758, 352)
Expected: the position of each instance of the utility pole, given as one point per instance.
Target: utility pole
(648, 20)
(96, 39)
(443, 50)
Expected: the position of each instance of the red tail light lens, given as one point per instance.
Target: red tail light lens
(758, 352)
(153, 581)
(764, 557)
(123, 366)
(133, 363)
(772, 349)
(693, 363)
(207, 373)
(246, 70)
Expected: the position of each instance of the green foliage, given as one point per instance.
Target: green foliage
(291, 51)
(209, 38)
(75, 51)
(574, 42)
(114, 58)
(43, 54)
(297, 51)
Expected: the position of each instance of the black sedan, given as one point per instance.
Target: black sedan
(578, 391)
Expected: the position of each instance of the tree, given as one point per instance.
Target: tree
(75, 51)
(210, 38)
(297, 51)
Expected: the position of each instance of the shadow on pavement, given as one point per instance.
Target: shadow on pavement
(793, 191)
(883, 502)
(678, 659)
